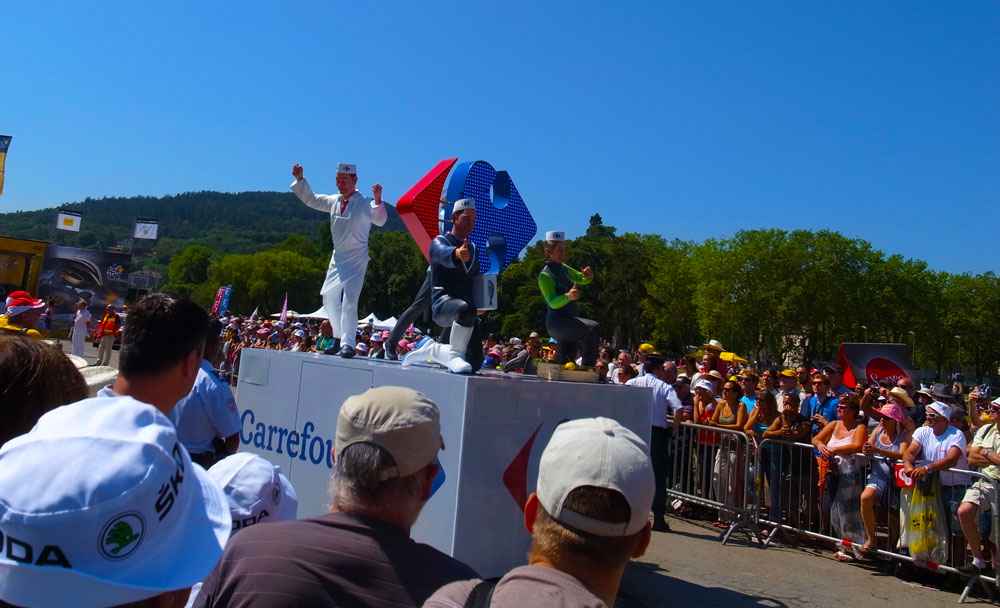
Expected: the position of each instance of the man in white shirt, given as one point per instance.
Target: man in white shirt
(81, 328)
(940, 447)
(660, 376)
(351, 217)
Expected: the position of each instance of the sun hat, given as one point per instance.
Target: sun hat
(646, 348)
(107, 502)
(892, 411)
(376, 337)
(384, 335)
(361, 347)
(900, 393)
(832, 367)
(514, 341)
(533, 334)
(714, 345)
(298, 333)
(596, 452)
(705, 384)
(927, 392)
(255, 489)
(713, 373)
(940, 390)
(788, 373)
(21, 301)
(400, 420)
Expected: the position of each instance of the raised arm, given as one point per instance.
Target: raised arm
(379, 213)
(302, 190)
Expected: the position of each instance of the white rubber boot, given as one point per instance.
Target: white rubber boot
(429, 350)
(456, 353)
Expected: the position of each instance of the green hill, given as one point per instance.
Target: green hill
(244, 222)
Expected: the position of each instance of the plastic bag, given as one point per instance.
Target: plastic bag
(924, 530)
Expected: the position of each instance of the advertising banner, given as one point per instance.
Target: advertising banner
(20, 265)
(145, 228)
(218, 300)
(70, 274)
(4, 146)
(225, 299)
(68, 220)
(867, 363)
(494, 427)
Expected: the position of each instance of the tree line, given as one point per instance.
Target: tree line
(772, 296)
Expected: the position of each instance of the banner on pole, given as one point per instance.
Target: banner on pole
(68, 220)
(4, 144)
(224, 306)
(218, 300)
(284, 310)
(145, 228)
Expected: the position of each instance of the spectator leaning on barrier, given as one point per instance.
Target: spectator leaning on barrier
(100, 505)
(982, 495)
(886, 445)
(660, 376)
(935, 449)
(161, 351)
(207, 420)
(361, 553)
(587, 520)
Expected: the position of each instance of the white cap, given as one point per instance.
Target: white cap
(361, 347)
(256, 489)
(109, 506)
(298, 333)
(596, 452)
(941, 408)
(555, 235)
(348, 168)
(462, 204)
(515, 341)
(705, 384)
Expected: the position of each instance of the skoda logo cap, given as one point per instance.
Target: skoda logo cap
(100, 505)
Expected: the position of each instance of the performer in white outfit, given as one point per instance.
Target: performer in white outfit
(351, 217)
(81, 328)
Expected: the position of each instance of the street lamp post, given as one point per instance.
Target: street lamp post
(959, 338)
(865, 327)
(913, 349)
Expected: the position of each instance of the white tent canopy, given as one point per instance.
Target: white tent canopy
(290, 313)
(370, 319)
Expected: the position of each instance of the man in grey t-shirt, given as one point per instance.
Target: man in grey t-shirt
(361, 553)
(587, 518)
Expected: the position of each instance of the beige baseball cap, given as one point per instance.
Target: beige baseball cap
(400, 420)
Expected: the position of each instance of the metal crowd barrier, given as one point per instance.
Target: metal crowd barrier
(793, 495)
(708, 466)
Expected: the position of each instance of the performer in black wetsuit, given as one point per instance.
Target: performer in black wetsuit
(454, 263)
(558, 283)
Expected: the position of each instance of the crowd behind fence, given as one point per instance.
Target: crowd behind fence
(785, 491)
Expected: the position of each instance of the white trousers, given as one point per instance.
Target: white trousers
(79, 342)
(341, 306)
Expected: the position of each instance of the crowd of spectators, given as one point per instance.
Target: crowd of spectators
(825, 458)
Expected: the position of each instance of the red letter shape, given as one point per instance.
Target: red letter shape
(418, 208)
(515, 477)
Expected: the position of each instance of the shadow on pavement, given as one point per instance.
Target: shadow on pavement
(648, 585)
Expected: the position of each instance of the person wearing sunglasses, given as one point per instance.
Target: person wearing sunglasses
(982, 495)
(840, 443)
(727, 473)
(935, 449)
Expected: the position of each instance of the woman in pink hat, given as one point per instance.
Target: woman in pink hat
(886, 446)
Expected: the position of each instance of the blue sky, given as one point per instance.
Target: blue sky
(878, 120)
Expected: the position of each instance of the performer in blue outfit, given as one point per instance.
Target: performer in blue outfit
(454, 263)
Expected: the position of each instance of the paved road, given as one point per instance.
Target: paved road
(89, 352)
(690, 567)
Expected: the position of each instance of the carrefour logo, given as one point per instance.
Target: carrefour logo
(304, 445)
